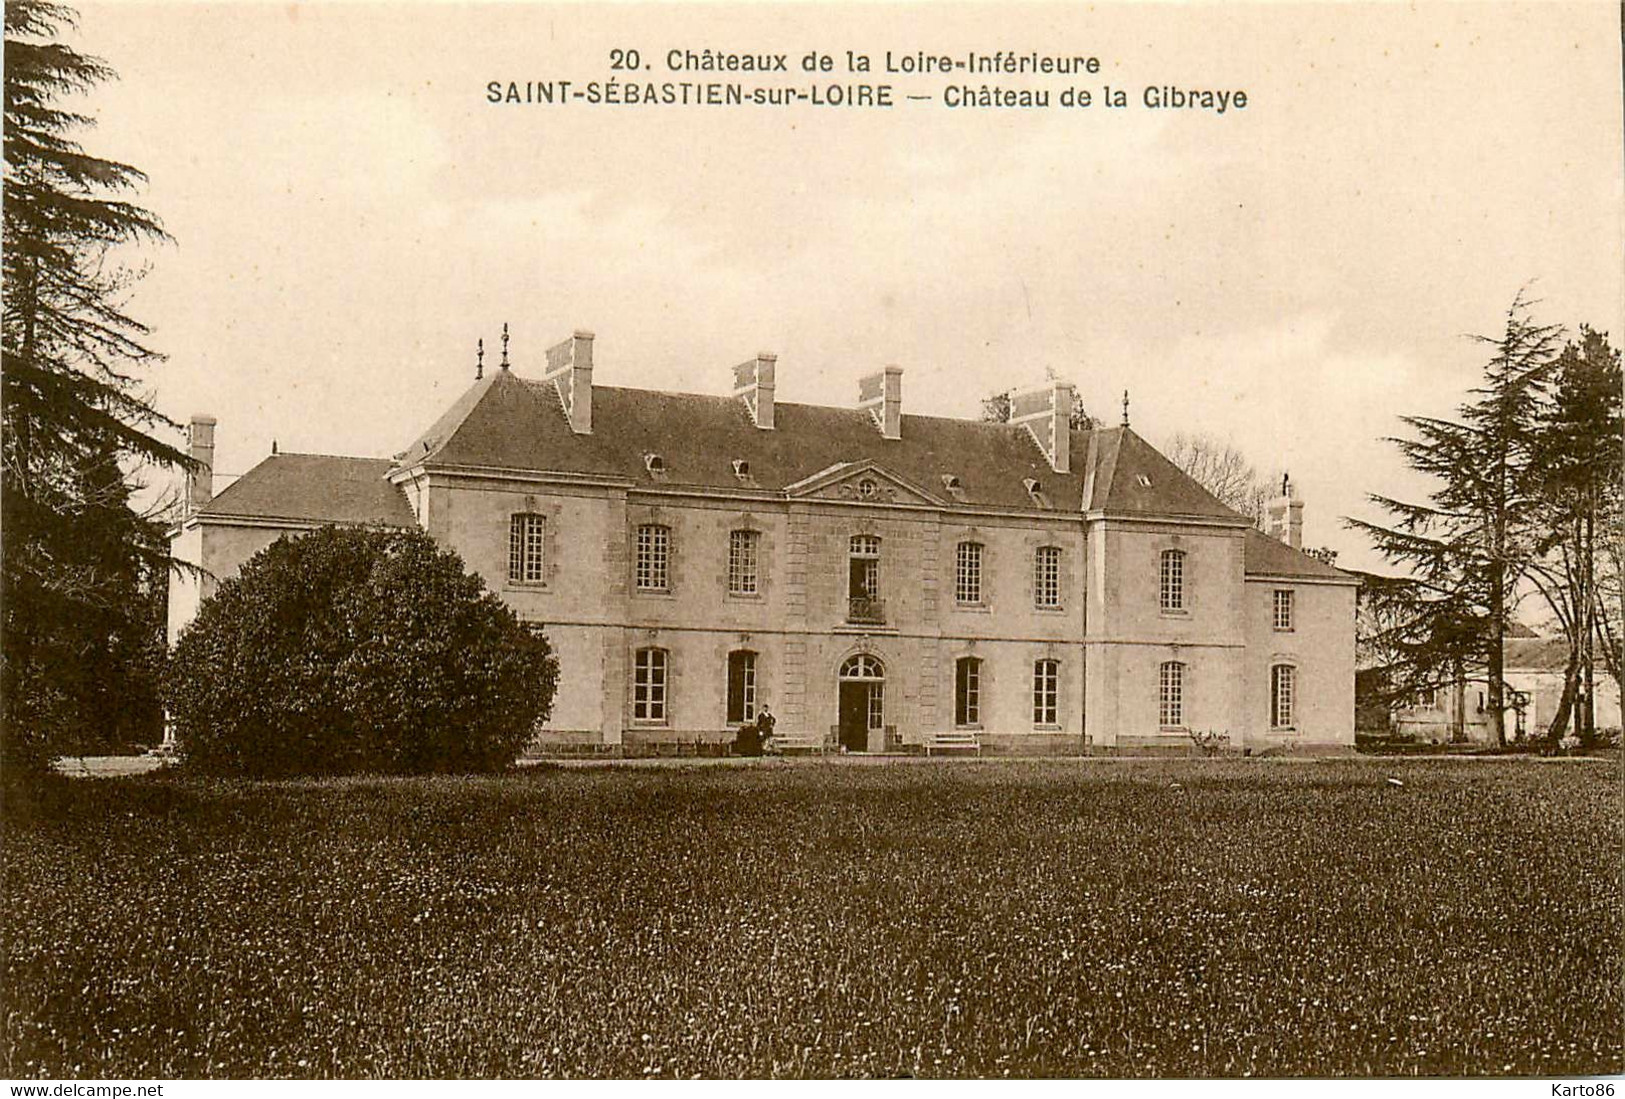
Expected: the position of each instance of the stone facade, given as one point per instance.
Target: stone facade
(909, 575)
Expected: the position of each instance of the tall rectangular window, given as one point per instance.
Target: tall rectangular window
(968, 691)
(649, 685)
(654, 548)
(877, 705)
(968, 573)
(1283, 609)
(527, 541)
(1171, 695)
(863, 567)
(742, 562)
(1046, 692)
(741, 686)
(1283, 687)
(1047, 577)
(1171, 582)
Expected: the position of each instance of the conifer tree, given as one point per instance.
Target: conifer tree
(1467, 548)
(1577, 456)
(75, 415)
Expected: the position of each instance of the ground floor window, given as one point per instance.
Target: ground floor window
(649, 685)
(1283, 688)
(968, 691)
(1171, 695)
(741, 687)
(1046, 691)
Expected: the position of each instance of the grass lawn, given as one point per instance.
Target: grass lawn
(1081, 918)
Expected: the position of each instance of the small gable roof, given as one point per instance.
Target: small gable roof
(320, 488)
(1268, 556)
(1134, 478)
(508, 422)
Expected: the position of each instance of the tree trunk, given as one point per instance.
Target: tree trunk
(1587, 725)
(1565, 702)
(1497, 654)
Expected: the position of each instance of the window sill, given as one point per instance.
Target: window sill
(650, 723)
(1285, 629)
(1174, 614)
(525, 585)
(1174, 730)
(1283, 728)
(972, 608)
(1049, 610)
(655, 593)
(747, 596)
(974, 727)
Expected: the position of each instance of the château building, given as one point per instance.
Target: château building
(880, 579)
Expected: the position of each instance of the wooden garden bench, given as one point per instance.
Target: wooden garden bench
(785, 743)
(957, 740)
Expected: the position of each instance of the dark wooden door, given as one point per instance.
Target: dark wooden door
(855, 717)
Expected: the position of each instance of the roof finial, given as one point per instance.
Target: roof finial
(1125, 408)
(273, 446)
(1286, 484)
(479, 358)
(504, 345)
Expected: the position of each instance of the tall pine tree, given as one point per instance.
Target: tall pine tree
(79, 563)
(1577, 465)
(1467, 548)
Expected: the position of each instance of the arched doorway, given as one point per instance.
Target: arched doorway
(862, 685)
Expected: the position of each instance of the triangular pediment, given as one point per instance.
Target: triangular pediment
(863, 482)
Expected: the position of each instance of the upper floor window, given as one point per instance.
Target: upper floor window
(1047, 577)
(1283, 691)
(967, 691)
(1283, 609)
(864, 567)
(1171, 695)
(649, 685)
(968, 573)
(654, 553)
(527, 543)
(1046, 692)
(742, 578)
(1171, 583)
(741, 686)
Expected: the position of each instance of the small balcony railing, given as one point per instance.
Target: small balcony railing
(862, 608)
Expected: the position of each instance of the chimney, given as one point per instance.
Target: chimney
(200, 448)
(1047, 415)
(569, 368)
(753, 381)
(1285, 516)
(882, 394)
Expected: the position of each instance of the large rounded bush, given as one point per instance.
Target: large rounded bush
(351, 649)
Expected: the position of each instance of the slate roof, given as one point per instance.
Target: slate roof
(320, 488)
(1272, 557)
(507, 422)
(1535, 654)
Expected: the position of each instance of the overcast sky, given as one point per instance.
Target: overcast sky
(352, 214)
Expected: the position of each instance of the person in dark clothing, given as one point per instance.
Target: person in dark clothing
(764, 728)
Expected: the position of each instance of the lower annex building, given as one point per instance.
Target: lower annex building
(877, 578)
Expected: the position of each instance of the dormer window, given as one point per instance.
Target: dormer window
(950, 482)
(655, 464)
(1145, 482)
(1031, 485)
(867, 488)
(741, 469)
